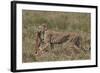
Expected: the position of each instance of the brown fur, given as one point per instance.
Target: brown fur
(37, 41)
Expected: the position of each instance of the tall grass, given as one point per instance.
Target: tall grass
(59, 21)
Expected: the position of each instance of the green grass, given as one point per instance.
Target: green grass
(59, 21)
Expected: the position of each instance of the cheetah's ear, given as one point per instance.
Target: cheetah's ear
(45, 26)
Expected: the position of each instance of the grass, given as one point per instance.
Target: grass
(59, 21)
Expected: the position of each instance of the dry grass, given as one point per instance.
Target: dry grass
(59, 21)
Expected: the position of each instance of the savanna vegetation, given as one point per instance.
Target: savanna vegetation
(58, 21)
